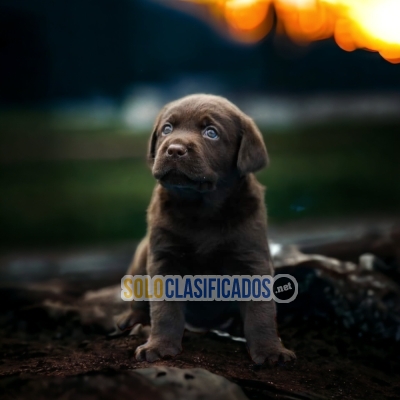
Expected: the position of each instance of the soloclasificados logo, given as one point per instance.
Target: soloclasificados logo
(209, 288)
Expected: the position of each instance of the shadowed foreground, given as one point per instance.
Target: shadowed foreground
(343, 327)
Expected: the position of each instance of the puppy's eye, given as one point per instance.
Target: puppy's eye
(167, 129)
(211, 133)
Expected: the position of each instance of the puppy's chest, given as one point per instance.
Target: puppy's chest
(196, 225)
(207, 240)
(190, 262)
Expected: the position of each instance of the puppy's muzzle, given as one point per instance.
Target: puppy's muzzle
(176, 151)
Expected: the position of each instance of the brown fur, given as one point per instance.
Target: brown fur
(206, 216)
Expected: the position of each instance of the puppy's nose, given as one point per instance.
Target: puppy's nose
(176, 150)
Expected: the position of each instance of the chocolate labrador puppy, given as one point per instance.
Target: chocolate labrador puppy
(206, 216)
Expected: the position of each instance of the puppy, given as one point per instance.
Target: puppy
(206, 217)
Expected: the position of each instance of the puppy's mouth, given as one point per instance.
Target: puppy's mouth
(178, 180)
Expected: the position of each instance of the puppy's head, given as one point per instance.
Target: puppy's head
(201, 141)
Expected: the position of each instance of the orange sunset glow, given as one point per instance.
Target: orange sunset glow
(367, 24)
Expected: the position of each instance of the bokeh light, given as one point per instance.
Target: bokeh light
(367, 24)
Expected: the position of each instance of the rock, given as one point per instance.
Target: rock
(360, 296)
(191, 384)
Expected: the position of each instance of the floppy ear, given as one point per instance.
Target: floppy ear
(252, 154)
(151, 151)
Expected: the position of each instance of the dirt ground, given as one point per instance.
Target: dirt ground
(44, 356)
(331, 363)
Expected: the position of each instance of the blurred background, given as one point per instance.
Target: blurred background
(82, 81)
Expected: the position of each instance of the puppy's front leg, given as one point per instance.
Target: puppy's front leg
(167, 322)
(167, 326)
(260, 330)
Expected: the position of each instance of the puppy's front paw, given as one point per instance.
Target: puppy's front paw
(155, 350)
(272, 355)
